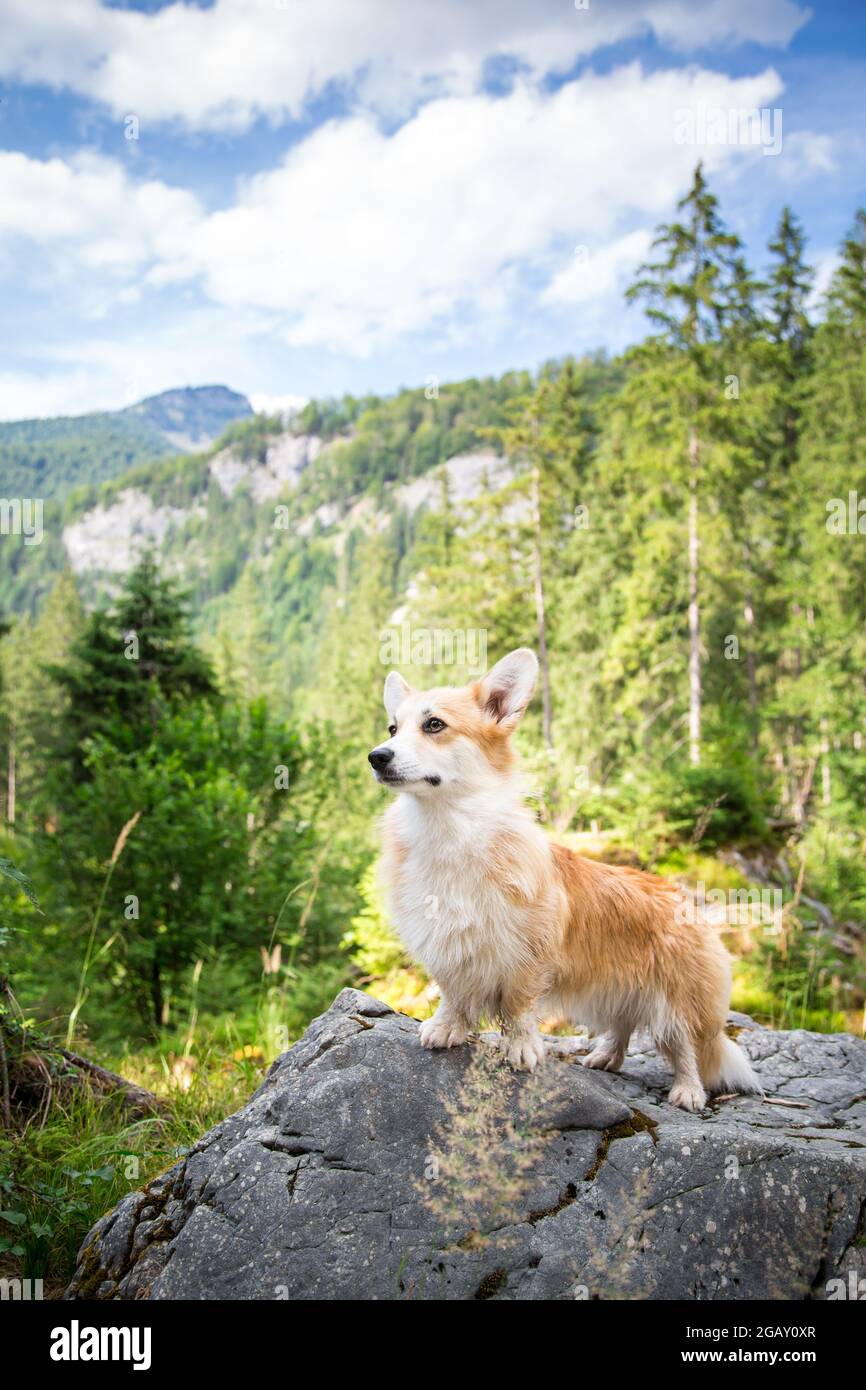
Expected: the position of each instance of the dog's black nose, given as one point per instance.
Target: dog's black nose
(380, 758)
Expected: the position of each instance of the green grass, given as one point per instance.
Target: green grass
(61, 1172)
(795, 992)
(796, 979)
(72, 1153)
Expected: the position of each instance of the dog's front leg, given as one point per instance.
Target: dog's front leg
(449, 1027)
(522, 1042)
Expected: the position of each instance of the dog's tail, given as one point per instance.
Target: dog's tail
(725, 1067)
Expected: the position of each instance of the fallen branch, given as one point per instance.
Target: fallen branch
(136, 1097)
(30, 1049)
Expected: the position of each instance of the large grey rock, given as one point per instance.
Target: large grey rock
(367, 1168)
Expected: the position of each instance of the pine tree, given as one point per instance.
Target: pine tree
(128, 662)
(525, 444)
(346, 690)
(823, 695)
(549, 439)
(691, 291)
(243, 655)
(743, 499)
(790, 330)
(787, 364)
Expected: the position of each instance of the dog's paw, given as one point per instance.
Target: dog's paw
(525, 1051)
(688, 1097)
(605, 1058)
(442, 1032)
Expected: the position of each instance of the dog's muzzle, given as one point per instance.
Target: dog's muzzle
(380, 758)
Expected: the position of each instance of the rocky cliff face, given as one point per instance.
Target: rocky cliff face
(366, 1168)
(109, 539)
(284, 462)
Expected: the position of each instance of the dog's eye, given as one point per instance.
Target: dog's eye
(432, 726)
(392, 729)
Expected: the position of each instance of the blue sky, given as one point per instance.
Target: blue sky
(303, 199)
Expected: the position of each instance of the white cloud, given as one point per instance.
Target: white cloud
(225, 65)
(26, 396)
(359, 238)
(277, 405)
(90, 210)
(813, 154)
(467, 214)
(461, 221)
(594, 273)
(114, 368)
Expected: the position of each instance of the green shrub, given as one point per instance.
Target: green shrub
(712, 805)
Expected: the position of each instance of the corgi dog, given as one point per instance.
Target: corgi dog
(516, 927)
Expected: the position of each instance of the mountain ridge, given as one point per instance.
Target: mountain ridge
(267, 519)
(49, 457)
(191, 417)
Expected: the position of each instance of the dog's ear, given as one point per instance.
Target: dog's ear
(396, 691)
(507, 689)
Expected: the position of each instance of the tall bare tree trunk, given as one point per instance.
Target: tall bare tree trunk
(751, 666)
(749, 615)
(538, 580)
(694, 609)
(796, 733)
(782, 777)
(157, 998)
(826, 797)
(10, 776)
(803, 790)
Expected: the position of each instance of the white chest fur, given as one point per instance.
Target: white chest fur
(454, 913)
